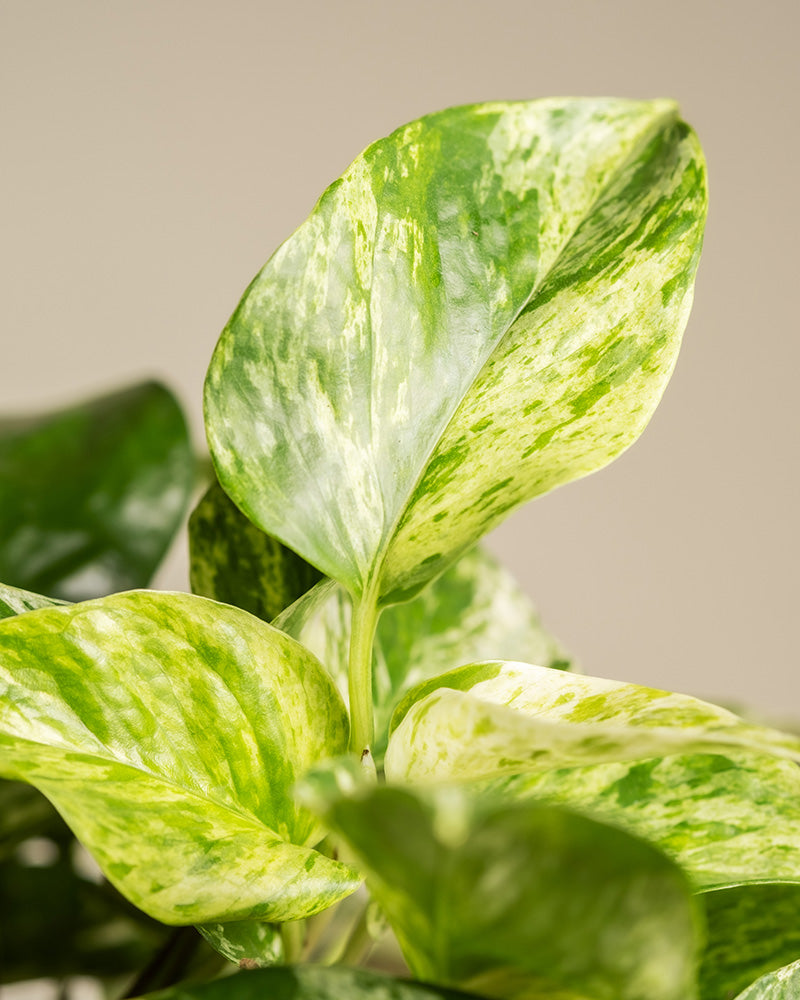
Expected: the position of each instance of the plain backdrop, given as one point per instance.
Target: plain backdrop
(155, 152)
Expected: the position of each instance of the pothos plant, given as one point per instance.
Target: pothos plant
(486, 305)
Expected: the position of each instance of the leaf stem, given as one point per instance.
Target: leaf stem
(362, 634)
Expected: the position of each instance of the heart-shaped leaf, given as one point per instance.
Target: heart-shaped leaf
(783, 984)
(489, 719)
(308, 982)
(726, 818)
(169, 732)
(91, 496)
(521, 900)
(752, 929)
(486, 305)
(232, 561)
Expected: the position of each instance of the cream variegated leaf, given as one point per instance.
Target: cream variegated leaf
(14, 601)
(487, 304)
(783, 984)
(486, 720)
(169, 731)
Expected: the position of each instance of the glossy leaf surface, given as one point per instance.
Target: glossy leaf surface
(486, 305)
(169, 731)
(783, 984)
(489, 719)
(306, 982)
(475, 609)
(232, 561)
(726, 818)
(14, 601)
(522, 900)
(752, 930)
(91, 496)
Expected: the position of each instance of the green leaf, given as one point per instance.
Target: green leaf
(232, 561)
(725, 818)
(169, 732)
(307, 982)
(489, 719)
(752, 929)
(522, 900)
(250, 944)
(475, 609)
(14, 601)
(784, 984)
(55, 920)
(486, 305)
(91, 496)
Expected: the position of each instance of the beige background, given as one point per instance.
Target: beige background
(155, 153)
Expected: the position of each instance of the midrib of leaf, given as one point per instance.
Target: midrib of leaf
(540, 281)
(249, 817)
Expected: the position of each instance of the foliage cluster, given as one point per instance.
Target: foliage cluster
(486, 305)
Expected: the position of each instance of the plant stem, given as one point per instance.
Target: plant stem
(293, 933)
(362, 634)
(358, 941)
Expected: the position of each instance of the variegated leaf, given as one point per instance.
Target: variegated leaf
(486, 305)
(726, 818)
(518, 899)
(308, 982)
(475, 609)
(752, 930)
(169, 731)
(489, 719)
(14, 601)
(231, 560)
(783, 984)
(91, 496)
(250, 944)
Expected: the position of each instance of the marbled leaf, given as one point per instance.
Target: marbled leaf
(487, 304)
(231, 560)
(250, 944)
(752, 930)
(14, 601)
(783, 984)
(726, 818)
(521, 900)
(489, 719)
(169, 732)
(308, 982)
(474, 610)
(91, 496)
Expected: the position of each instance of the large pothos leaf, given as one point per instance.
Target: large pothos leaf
(752, 930)
(91, 496)
(783, 984)
(520, 900)
(169, 732)
(726, 818)
(231, 560)
(487, 304)
(474, 610)
(489, 719)
(308, 982)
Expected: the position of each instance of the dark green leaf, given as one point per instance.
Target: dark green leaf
(486, 305)
(521, 900)
(752, 930)
(231, 560)
(169, 731)
(91, 496)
